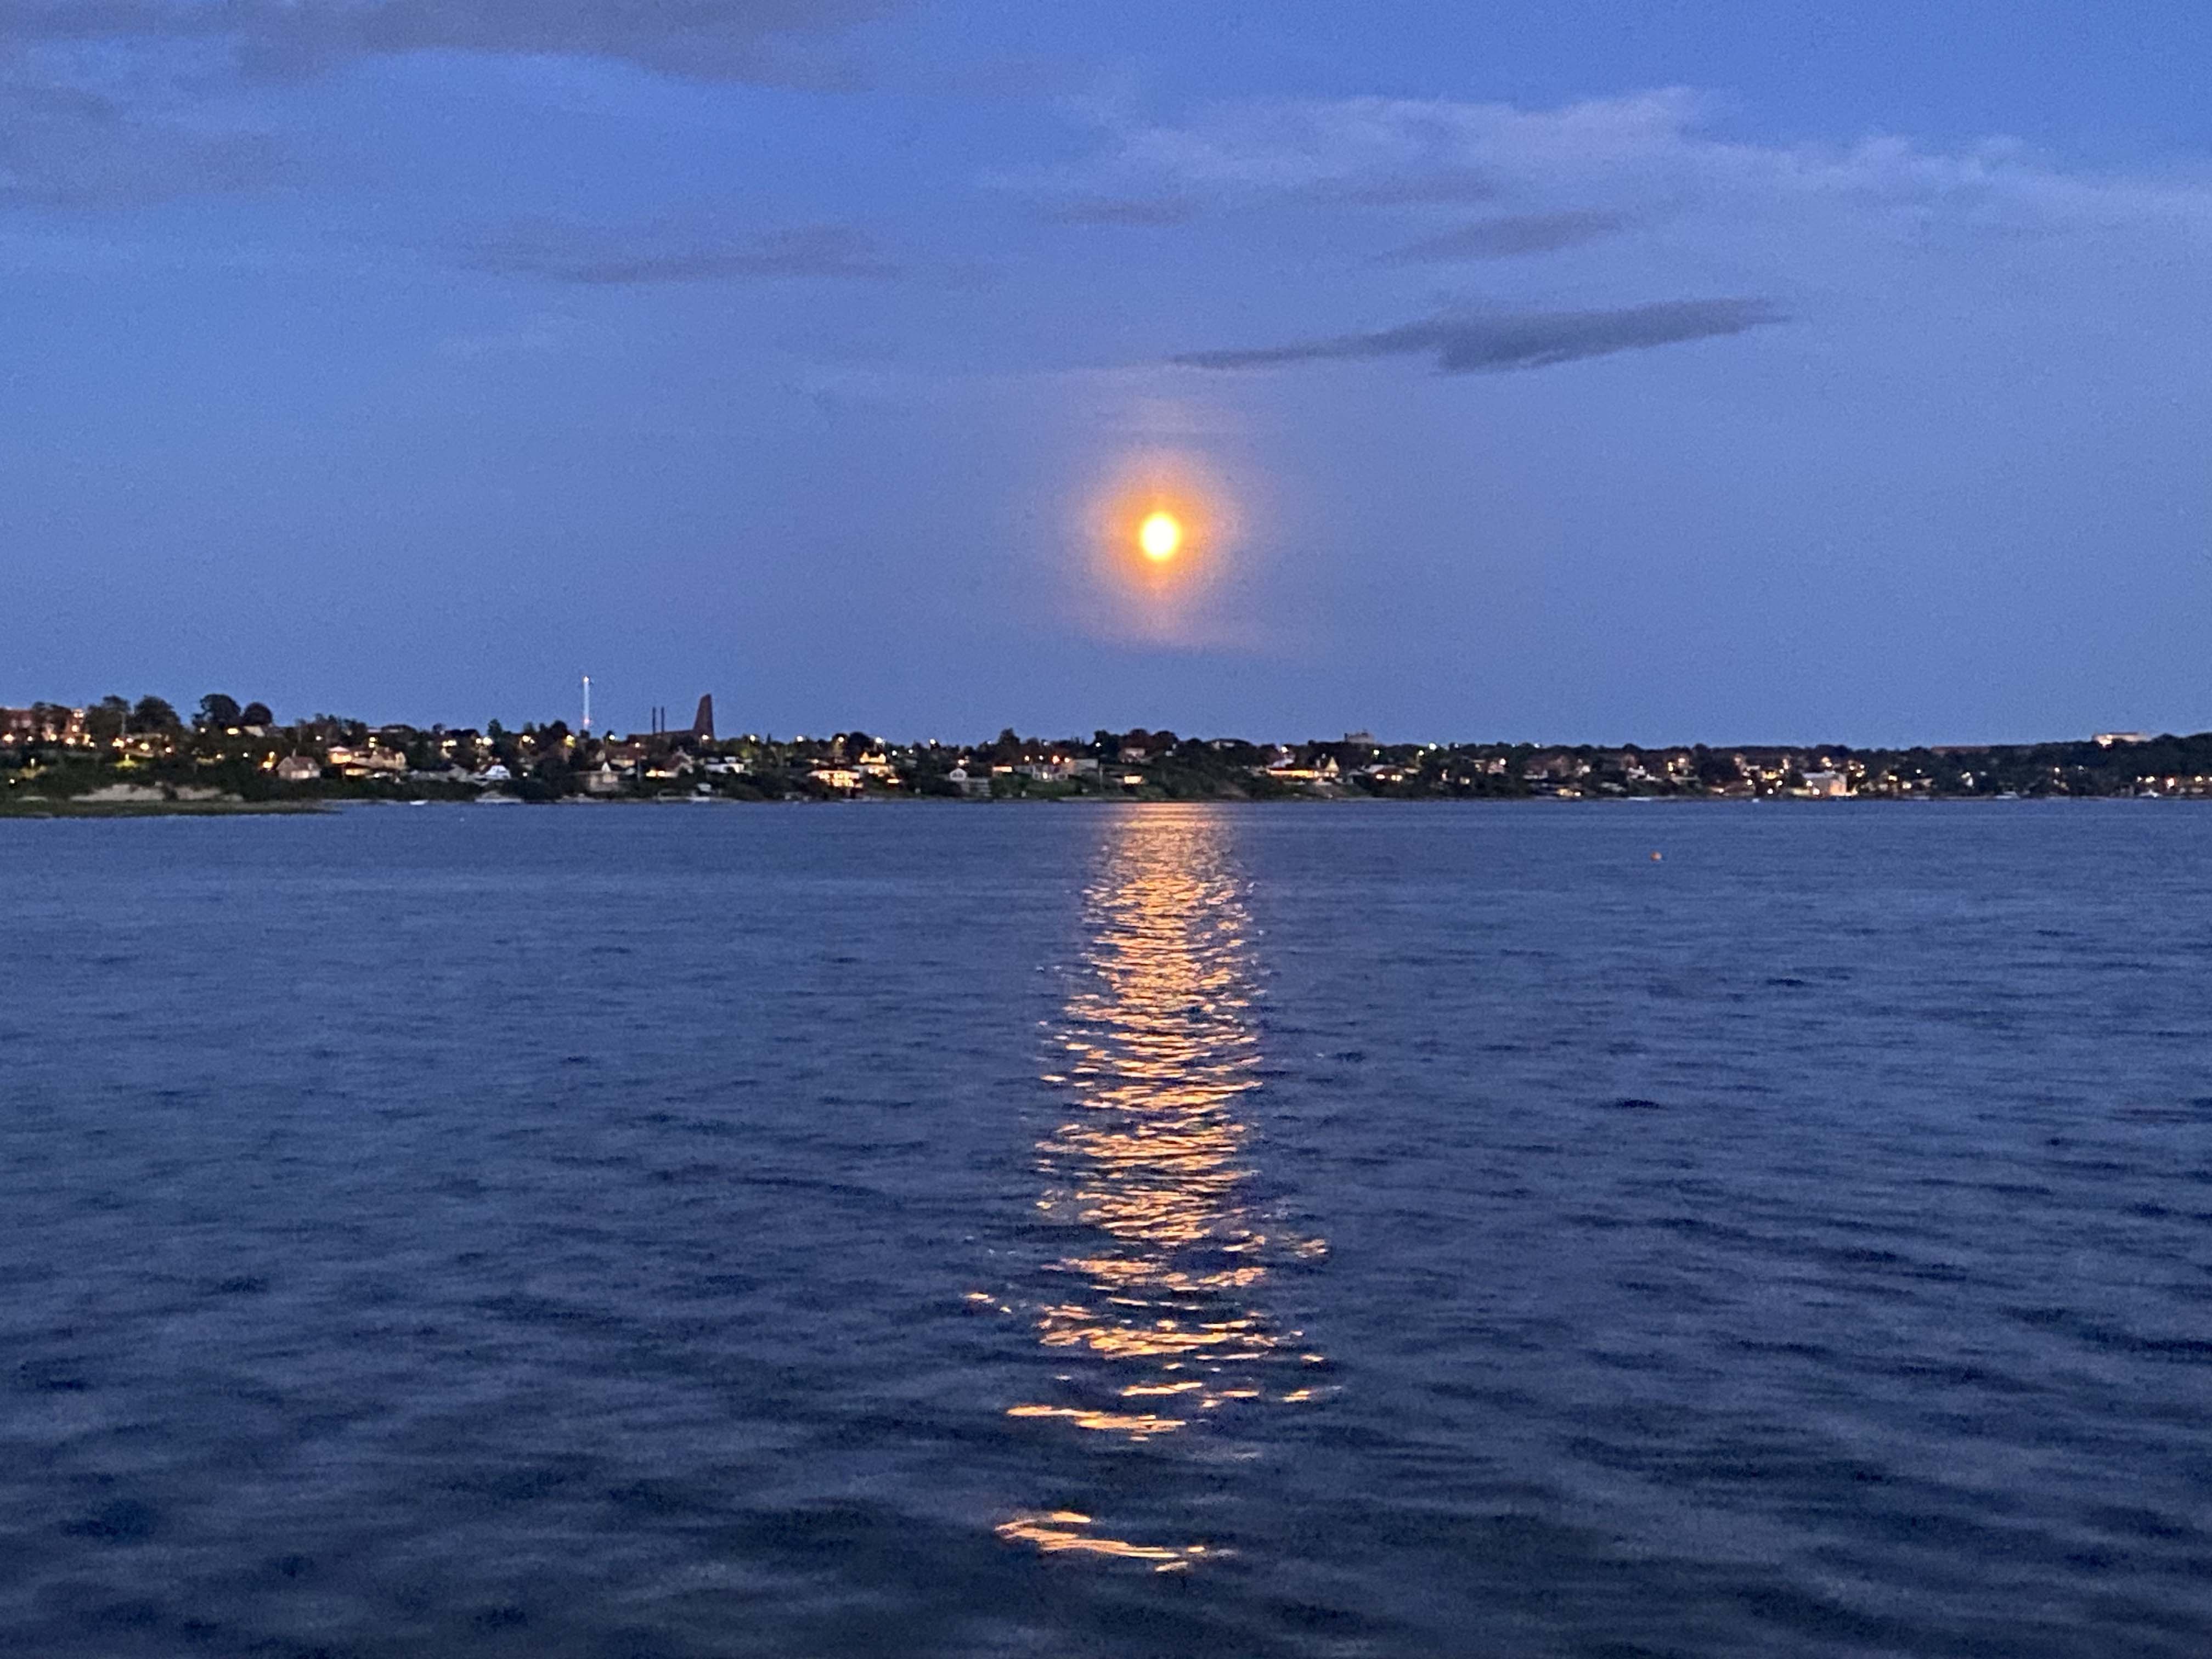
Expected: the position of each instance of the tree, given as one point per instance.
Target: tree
(107, 720)
(154, 715)
(218, 711)
(256, 714)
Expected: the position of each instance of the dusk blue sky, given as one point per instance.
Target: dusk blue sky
(1570, 371)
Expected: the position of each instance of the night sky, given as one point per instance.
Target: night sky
(1718, 370)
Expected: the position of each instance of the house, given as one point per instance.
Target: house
(1290, 770)
(44, 723)
(603, 780)
(496, 773)
(967, 782)
(360, 763)
(1826, 784)
(298, 768)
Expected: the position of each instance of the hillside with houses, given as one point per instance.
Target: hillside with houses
(121, 753)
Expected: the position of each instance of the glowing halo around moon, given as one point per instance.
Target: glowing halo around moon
(1164, 536)
(1160, 526)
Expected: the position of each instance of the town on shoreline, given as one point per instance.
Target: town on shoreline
(123, 756)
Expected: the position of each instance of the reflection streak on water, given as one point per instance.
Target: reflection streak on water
(1161, 1321)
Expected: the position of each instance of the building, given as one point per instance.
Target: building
(1291, 770)
(702, 729)
(298, 768)
(45, 722)
(363, 762)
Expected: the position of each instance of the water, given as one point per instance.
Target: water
(1065, 1231)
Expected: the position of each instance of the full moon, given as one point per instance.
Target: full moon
(1159, 537)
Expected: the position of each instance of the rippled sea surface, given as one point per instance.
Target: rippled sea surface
(1072, 1230)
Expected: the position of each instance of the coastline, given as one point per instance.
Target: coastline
(36, 808)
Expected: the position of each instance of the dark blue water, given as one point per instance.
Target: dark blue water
(1064, 1231)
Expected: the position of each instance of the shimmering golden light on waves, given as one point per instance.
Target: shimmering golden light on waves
(1055, 1533)
(1163, 1325)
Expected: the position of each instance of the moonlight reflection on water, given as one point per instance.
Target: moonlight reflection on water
(1158, 1312)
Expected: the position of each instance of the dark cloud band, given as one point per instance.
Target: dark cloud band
(1509, 237)
(1138, 211)
(734, 40)
(1492, 343)
(65, 147)
(598, 257)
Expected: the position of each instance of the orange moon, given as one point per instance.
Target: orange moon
(1160, 536)
(1160, 526)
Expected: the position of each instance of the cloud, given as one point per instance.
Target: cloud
(1625, 154)
(106, 102)
(1469, 342)
(1509, 237)
(602, 257)
(712, 39)
(1132, 210)
(68, 147)
(1418, 185)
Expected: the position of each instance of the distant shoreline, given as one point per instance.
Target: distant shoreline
(35, 808)
(108, 757)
